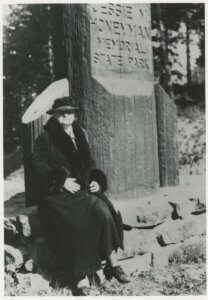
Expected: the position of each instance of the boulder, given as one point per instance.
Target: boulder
(15, 205)
(179, 198)
(137, 242)
(193, 272)
(30, 266)
(34, 283)
(193, 249)
(13, 256)
(147, 211)
(24, 225)
(20, 219)
(10, 269)
(180, 230)
(160, 256)
(98, 278)
(187, 251)
(139, 263)
(199, 204)
(154, 212)
(184, 206)
(10, 229)
(9, 281)
(29, 224)
(168, 203)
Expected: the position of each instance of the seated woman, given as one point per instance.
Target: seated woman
(80, 224)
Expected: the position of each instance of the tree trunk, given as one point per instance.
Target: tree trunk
(165, 73)
(59, 49)
(188, 57)
(114, 85)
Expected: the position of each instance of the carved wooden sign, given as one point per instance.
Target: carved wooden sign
(121, 41)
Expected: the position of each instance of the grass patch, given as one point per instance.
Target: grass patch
(177, 279)
(193, 252)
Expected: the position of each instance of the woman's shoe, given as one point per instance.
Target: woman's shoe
(116, 272)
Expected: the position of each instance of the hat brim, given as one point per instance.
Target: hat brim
(62, 110)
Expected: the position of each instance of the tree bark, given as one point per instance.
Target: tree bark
(165, 73)
(188, 57)
(59, 49)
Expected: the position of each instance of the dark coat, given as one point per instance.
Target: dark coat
(55, 158)
(82, 228)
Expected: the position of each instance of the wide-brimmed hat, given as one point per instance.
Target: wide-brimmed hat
(63, 105)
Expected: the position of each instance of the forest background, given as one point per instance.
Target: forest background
(178, 35)
(178, 39)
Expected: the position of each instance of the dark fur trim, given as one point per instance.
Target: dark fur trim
(59, 174)
(100, 177)
(56, 178)
(78, 160)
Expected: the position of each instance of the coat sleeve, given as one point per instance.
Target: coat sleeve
(54, 176)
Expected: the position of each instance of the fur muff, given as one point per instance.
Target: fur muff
(98, 176)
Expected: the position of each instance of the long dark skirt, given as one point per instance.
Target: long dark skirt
(80, 231)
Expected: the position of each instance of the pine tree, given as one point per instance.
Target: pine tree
(27, 64)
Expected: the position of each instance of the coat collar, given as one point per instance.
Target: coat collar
(80, 157)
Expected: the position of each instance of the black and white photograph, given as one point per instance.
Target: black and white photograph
(104, 148)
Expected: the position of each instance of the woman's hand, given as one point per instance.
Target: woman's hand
(71, 186)
(94, 187)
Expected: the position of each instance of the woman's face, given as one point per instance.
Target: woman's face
(66, 119)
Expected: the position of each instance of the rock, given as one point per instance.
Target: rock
(10, 230)
(155, 211)
(8, 282)
(30, 266)
(13, 256)
(24, 222)
(15, 206)
(32, 282)
(30, 224)
(147, 211)
(137, 242)
(10, 269)
(194, 248)
(199, 204)
(181, 230)
(14, 183)
(97, 278)
(187, 251)
(193, 272)
(137, 264)
(199, 211)
(101, 277)
(159, 207)
(25, 219)
(27, 225)
(183, 206)
(160, 256)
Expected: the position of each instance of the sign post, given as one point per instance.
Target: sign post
(110, 71)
